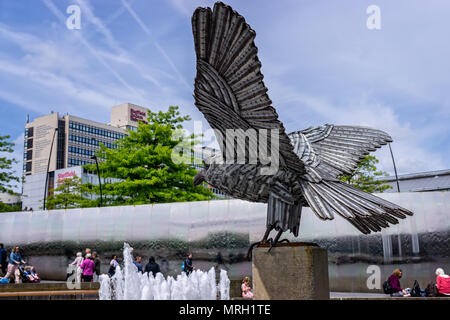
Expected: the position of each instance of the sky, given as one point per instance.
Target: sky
(320, 61)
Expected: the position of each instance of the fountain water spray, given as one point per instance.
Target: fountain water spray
(130, 284)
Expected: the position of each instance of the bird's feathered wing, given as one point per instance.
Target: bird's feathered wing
(229, 88)
(330, 151)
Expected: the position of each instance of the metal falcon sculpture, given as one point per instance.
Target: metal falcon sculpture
(230, 92)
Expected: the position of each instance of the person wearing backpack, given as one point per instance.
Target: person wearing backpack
(394, 282)
(187, 264)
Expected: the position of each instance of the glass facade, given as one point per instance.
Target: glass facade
(95, 131)
(84, 140)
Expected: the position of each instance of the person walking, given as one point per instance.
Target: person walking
(394, 281)
(3, 259)
(442, 283)
(88, 267)
(97, 264)
(152, 267)
(15, 259)
(188, 267)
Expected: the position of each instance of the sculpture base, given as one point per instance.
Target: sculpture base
(291, 271)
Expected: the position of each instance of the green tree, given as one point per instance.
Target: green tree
(71, 193)
(364, 176)
(7, 208)
(7, 176)
(142, 169)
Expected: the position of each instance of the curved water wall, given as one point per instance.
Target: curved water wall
(219, 233)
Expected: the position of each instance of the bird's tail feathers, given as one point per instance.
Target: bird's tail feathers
(366, 212)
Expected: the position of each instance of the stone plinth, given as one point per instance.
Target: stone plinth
(290, 271)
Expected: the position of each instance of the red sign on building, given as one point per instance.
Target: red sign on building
(137, 115)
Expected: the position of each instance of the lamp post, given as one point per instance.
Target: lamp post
(395, 168)
(48, 167)
(94, 157)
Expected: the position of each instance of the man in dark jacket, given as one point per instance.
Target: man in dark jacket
(188, 267)
(3, 262)
(97, 264)
(152, 266)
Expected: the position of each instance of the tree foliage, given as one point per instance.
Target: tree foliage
(71, 193)
(10, 208)
(142, 169)
(7, 175)
(364, 176)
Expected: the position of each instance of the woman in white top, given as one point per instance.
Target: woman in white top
(77, 262)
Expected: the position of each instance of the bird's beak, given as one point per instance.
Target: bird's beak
(199, 178)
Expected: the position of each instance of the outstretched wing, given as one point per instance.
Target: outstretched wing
(229, 87)
(331, 151)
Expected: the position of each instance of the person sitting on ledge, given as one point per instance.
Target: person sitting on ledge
(246, 289)
(442, 283)
(394, 281)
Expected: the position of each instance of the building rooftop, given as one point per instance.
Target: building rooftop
(422, 181)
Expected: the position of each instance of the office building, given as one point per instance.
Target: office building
(72, 141)
(69, 142)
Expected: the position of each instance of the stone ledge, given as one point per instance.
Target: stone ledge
(47, 293)
(33, 287)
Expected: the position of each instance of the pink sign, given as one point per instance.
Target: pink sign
(137, 115)
(65, 175)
